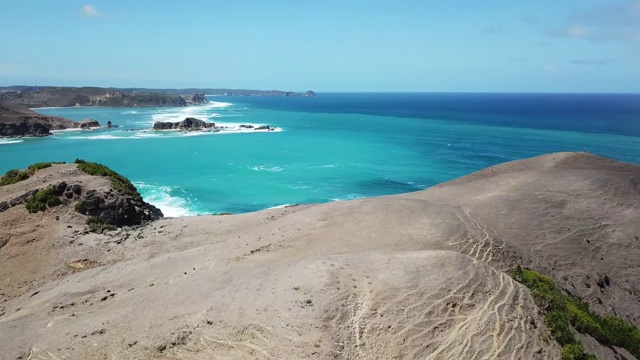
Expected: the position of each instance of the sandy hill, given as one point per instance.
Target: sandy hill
(419, 275)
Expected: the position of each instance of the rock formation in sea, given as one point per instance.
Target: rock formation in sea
(19, 121)
(89, 123)
(196, 99)
(188, 124)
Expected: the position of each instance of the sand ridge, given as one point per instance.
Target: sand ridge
(419, 275)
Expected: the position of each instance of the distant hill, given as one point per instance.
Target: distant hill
(46, 96)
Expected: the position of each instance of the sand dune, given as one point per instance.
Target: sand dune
(419, 275)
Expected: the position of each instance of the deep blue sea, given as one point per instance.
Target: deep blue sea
(333, 146)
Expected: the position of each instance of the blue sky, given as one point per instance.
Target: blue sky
(330, 45)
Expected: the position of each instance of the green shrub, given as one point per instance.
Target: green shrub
(562, 310)
(119, 183)
(80, 208)
(34, 206)
(576, 352)
(43, 165)
(13, 176)
(98, 226)
(42, 199)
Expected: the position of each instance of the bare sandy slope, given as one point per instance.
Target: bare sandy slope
(418, 275)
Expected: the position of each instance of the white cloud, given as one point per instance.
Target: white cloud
(615, 21)
(577, 31)
(89, 11)
(551, 69)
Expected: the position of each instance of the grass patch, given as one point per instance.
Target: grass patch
(43, 165)
(14, 176)
(119, 183)
(561, 310)
(98, 226)
(42, 199)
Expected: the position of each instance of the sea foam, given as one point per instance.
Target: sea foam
(162, 197)
(7, 142)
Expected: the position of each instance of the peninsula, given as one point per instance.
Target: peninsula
(19, 121)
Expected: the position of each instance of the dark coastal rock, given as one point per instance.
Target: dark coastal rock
(89, 123)
(263, 127)
(18, 121)
(188, 124)
(21, 199)
(246, 126)
(114, 208)
(196, 99)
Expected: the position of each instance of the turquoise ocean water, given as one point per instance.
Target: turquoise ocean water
(331, 147)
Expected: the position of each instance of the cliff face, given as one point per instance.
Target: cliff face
(196, 99)
(66, 97)
(119, 99)
(17, 121)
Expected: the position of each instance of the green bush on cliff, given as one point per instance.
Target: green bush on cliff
(13, 176)
(562, 310)
(42, 199)
(119, 183)
(43, 165)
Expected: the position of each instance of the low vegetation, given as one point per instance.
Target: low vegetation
(563, 311)
(42, 199)
(13, 176)
(119, 183)
(98, 226)
(42, 165)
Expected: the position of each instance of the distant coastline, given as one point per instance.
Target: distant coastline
(54, 96)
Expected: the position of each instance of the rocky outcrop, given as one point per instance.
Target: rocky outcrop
(111, 207)
(261, 127)
(89, 123)
(108, 206)
(196, 99)
(18, 121)
(188, 124)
